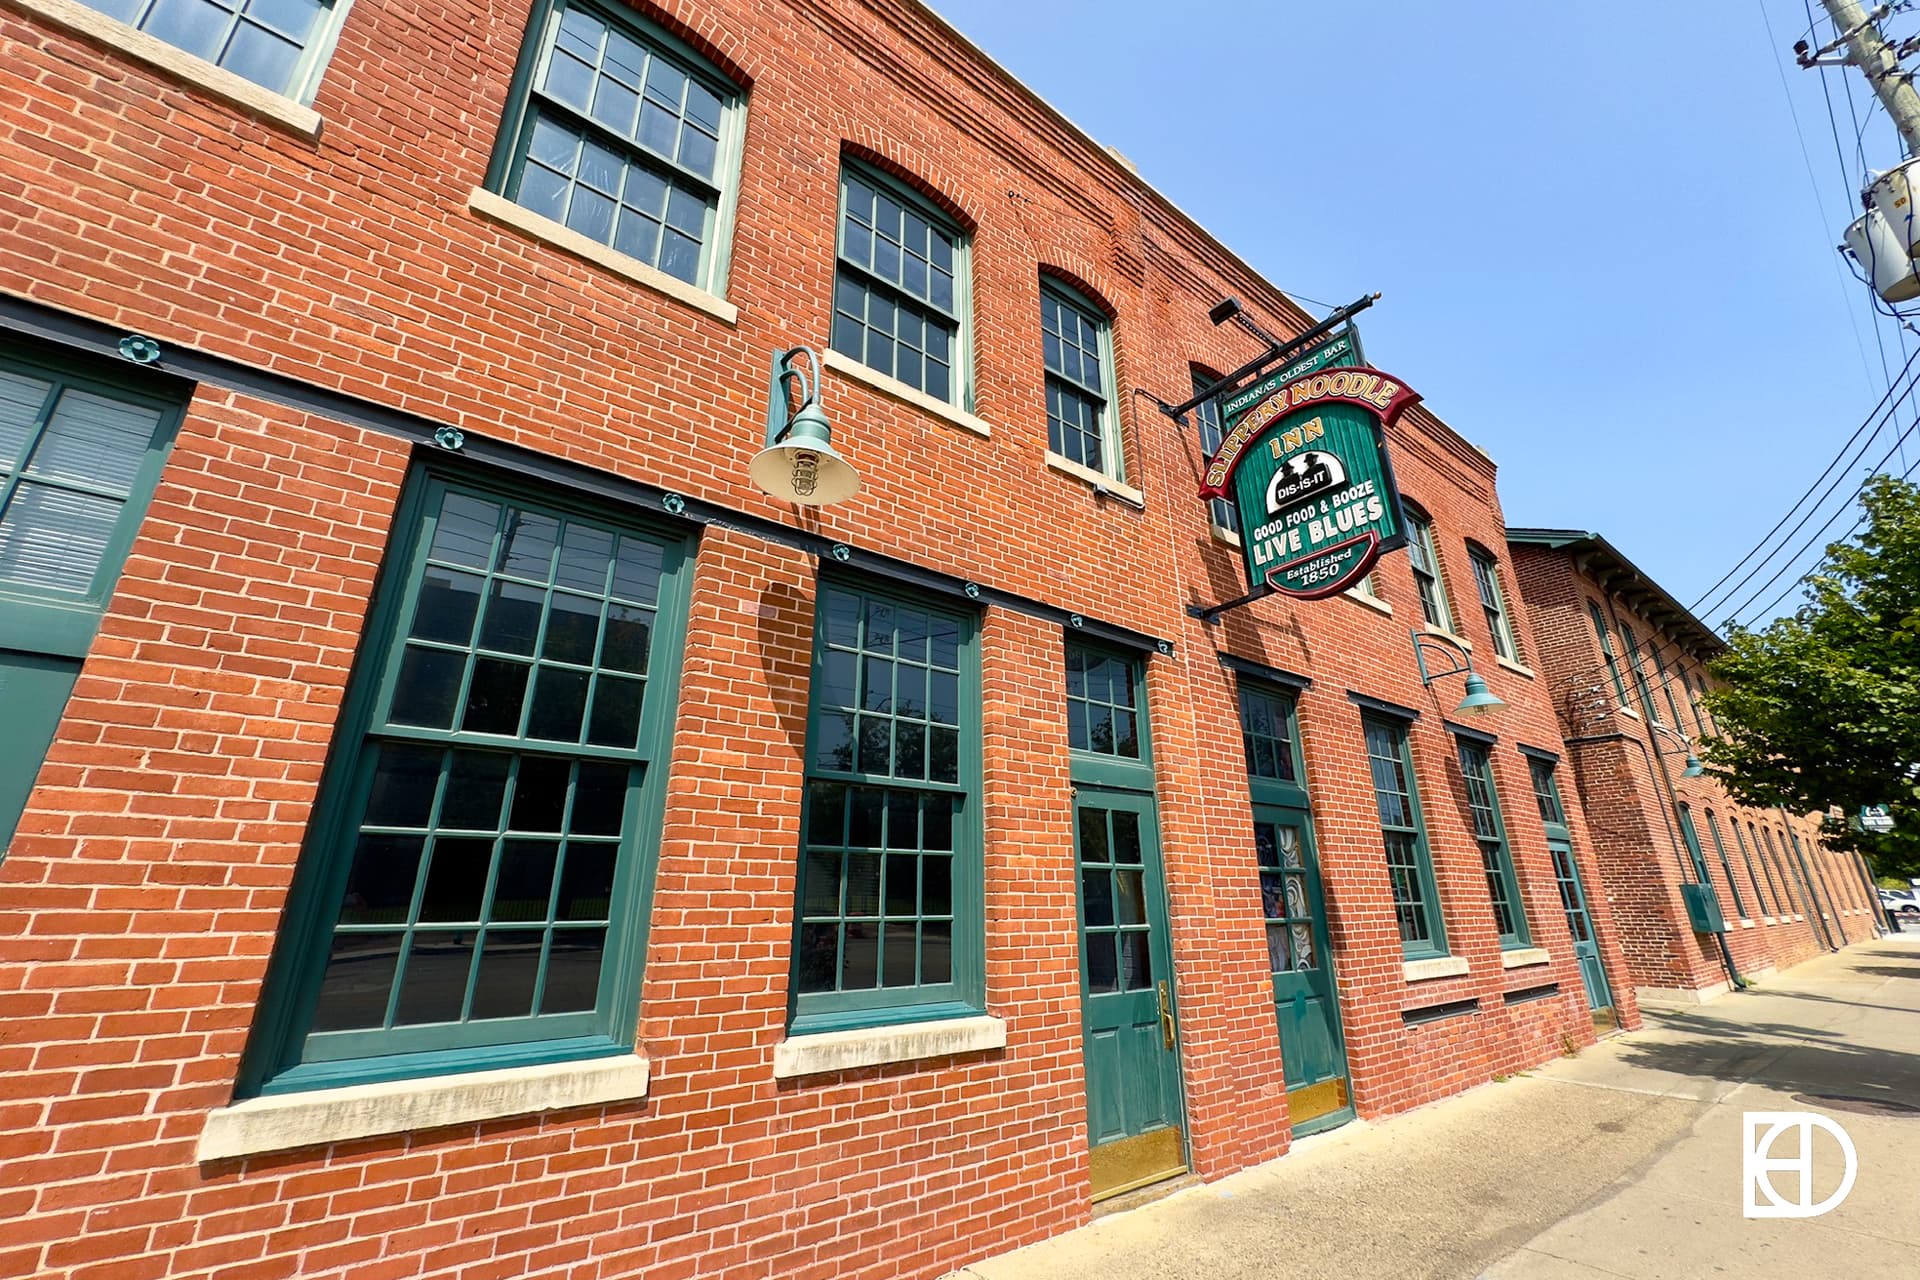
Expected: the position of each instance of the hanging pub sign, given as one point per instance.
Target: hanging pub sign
(1303, 456)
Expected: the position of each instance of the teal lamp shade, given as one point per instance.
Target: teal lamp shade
(1694, 768)
(802, 466)
(1479, 699)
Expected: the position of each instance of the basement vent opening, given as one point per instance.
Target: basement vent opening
(1526, 995)
(1438, 1012)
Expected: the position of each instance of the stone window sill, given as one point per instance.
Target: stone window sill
(1225, 536)
(1102, 483)
(326, 1116)
(84, 20)
(1521, 957)
(1629, 713)
(1746, 924)
(1769, 920)
(850, 368)
(565, 238)
(1372, 602)
(1437, 967)
(827, 1051)
(1518, 668)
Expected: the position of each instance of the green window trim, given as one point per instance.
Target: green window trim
(1269, 732)
(284, 48)
(642, 170)
(1546, 795)
(1416, 895)
(1782, 903)
(905, 315)
(1106, 710)
(1496, 856)
(1726, 867)
(1666, 684)
(1221, 511)
(1606, 651)
(475, 893)
(890, 920)
(1692, 837)
(1083, 412)
(1493, 604)
(1430, 583)
(1638, 667)
(1746, 856)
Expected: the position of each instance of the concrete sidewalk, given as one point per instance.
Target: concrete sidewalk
(1625, 1161)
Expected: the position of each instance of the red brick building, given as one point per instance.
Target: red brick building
(461, 826)
(1625, 663)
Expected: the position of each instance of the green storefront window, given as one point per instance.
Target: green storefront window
(890, 921)
(79, 457)
(481, 869)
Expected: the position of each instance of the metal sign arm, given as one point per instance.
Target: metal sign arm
(1272, 356)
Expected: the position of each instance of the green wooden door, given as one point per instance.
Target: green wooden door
(1586, 945)
(1134, 1117)
(1311, 1046)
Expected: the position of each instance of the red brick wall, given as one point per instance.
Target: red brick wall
(1639, 841)
(141, 900)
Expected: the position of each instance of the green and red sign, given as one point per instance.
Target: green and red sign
(1304, 457)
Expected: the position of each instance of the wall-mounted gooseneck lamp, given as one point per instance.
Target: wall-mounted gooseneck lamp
(1479, 699)
(798, 463)
(1693, 767)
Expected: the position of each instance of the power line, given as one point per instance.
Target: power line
(1767, 610)
(1828, 524)
(1871, 420)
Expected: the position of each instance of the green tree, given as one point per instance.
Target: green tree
(1822, 708)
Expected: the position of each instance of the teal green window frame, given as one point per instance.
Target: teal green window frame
(1493, 602)
(1269, 734)
(1746, 856)
(867, 277)
(1403, 828)
(282, 1057)
(964, 993)
(1666, 684)
(302, 79)
(1546, 797)
(1070, 385)
(49, 631)
(1095, 764)
(1496, 854)
(1606, 651)
(1222, 511)
(1430, 583)
(1638, 666)
(1691, 834)
(512, 149)
(43, 621)
(1726, 867)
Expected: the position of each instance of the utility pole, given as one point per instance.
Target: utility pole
(1868, 50)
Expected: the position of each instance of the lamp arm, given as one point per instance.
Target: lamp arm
(1463, 664)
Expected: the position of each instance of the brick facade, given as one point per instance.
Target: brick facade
(332, 301)
(1784, 903)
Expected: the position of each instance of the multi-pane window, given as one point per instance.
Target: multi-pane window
(483, 872)
(1746, 855)
(1265, 728)
(1639, 673)
(1284, 897)
(623, 138)
(1606, 651)
(1691, 837)
(1486, 579)
(277, 44)
(1102, 703)
(71, 461)
(1424, 558)
(1726, 866)
(891, 846)
(1546, 793)
(1703, 718)
(1113, 901)
(1416, 901)
(898, 296)
(1483, 804)
(1222, 510)
(1666, 685)
(1566, 877)
(1790, 895)
(1081, 424)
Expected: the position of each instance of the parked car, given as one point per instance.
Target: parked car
(1903, 903)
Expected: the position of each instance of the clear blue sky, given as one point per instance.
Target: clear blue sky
(1602, 258)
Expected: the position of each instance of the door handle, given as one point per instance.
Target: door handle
(1166, 1017)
